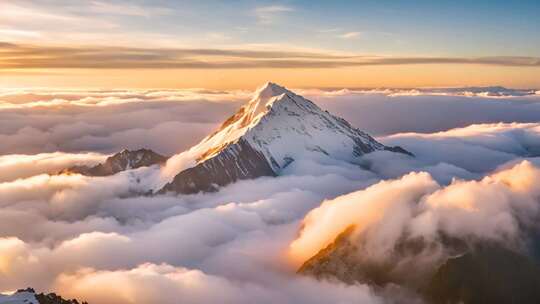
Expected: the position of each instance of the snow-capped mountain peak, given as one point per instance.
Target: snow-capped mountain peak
(246, 118)
(269, 132)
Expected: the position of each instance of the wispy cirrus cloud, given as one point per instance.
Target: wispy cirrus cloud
(24, 56)
(270, 14)
(127, 9)
(350, 35)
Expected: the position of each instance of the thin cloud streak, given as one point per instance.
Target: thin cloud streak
(350, 35)
(269, 14)
(17, 56)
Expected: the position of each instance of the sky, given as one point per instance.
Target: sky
(81, 80)
(241, 44)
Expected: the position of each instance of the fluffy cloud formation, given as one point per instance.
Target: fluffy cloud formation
(75, 234)
(383, 112)
(81, 234)
(485, 145)
(14, 166)
(495, 208)
(408, 227)
(108, 121)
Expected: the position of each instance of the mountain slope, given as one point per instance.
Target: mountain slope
(275, 127)
(488, 274)
(483, 272)
(121, 161)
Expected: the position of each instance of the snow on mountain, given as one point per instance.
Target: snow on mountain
(268, 133)
(29, 296)
(24, 297)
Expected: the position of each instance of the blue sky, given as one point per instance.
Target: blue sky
(470, 28)
(454, 32)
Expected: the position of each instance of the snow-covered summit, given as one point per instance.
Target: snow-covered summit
(284, 126)
(242, 121)
(273, 129)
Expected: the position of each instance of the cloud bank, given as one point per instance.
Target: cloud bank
(75, 235)
(22, 56)
(410, 226)
(105, 121)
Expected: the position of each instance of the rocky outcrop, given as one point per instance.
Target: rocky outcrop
(238, 161)
(119, 162)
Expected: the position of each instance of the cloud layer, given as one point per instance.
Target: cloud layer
(75, 234)
(22, 56)
(108, 121)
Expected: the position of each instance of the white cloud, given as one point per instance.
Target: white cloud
(15, 166)
(501, 207)
(75, 234)
(128, 9)
(350, 35)
(270, 14)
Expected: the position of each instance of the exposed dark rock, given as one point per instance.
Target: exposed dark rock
(236, 162)
(335, 261)
(398, 149)
(121, 161)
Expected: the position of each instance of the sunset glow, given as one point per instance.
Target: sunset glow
(240, 45)
(263, 152)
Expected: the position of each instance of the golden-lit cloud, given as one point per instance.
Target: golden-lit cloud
(415, 206)
(17, 56)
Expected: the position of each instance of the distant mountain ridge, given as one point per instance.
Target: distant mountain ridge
(271, 131)
(124, 160)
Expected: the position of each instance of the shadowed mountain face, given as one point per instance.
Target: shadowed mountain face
(469, 274)
(272, 130)
(488, 274)
(121, 161)
(236, 162)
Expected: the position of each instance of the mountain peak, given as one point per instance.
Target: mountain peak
(268, 133)
(269, 90)
(121, 161)
(264, 98)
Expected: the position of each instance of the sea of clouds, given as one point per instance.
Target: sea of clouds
(90, 238)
